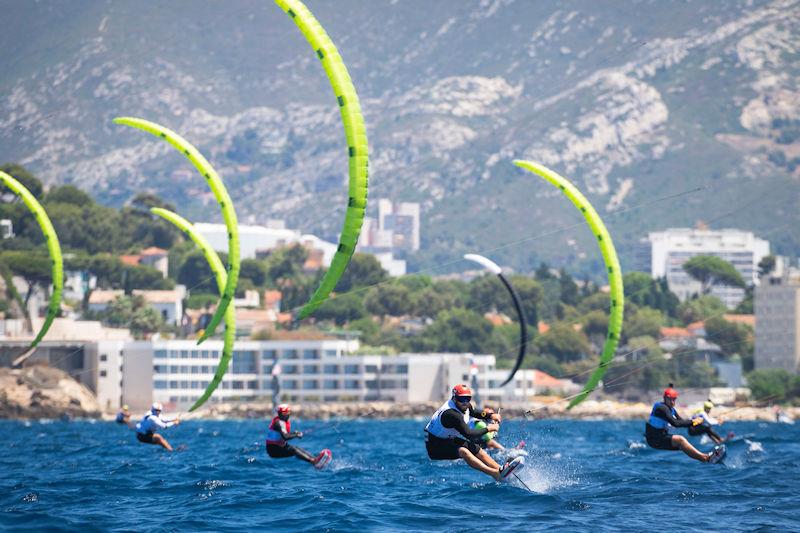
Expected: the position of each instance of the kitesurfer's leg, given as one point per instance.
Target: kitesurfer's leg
(158, 439)
(480, 464)
(493, 444)
(300, 453)
(680, 443)
(487, 459)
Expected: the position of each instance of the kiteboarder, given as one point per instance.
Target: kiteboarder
(449, 437)
(124, 417)
(702, 422)
(280, 431)
(662, 417)
(146, 429)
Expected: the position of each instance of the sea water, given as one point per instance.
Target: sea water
(579, 475)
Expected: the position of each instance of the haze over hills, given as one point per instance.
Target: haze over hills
(664, 113)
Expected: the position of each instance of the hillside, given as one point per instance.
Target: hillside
(666, 113)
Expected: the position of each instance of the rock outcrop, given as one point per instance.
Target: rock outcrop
(39, 391)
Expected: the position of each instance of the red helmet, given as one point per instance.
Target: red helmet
(284, 409)
(669, 392)
(462, 390)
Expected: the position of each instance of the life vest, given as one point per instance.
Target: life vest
(658, 422)
(435, 427)
(274, 432)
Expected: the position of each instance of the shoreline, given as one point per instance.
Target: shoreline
(588, 410)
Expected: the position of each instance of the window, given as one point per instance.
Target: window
(195, 369)
(160, 354)
(331, 353)
(195, 384)
(331, 369)
(252, 384)
(160, 384)
(173, 384)
(289, 384)
(290, 354)
(238, 385)
(159, 369)
(268, 355)
(184, 384)
(244, 362)
(371, 368)
(196, 354)
(351, 369)
(103, 357)
(310, 354)
(310, 369)
(310, 384)
(351, 384)
(331, 384)
(103, 373)
(184, 354)
(266, 369)
(371, 384)
(289, 369)
(402, 369)
(173, 369)
(388, 384)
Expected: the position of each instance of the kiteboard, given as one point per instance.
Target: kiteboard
(323, 458)
(512, 468)
(718, 454)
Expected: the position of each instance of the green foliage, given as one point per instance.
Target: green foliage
(196, 274)
(456, 330)
(569, 289)
(22, 175)
(68, 194)
(370, 331)
(732, 338)
(563, 343)
(363, 271)
(341, 308)
(773, 384)
(642, 290)
(388, 299)
(131, 312)
(255, 270)
(711, 270)
(440, 296)
(700, 308)
(642, 322)
(198, 300)
(285, 263)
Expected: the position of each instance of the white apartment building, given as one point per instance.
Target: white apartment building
(256, 239)
(397, 227)
(777, 308)
(670, 249)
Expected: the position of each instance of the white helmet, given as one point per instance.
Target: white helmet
(156, 407)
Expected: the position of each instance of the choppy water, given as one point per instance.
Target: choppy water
(599, 475)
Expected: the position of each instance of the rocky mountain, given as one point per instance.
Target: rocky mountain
(665, 113)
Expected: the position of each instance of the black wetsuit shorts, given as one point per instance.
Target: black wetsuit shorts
(658, 439)
(278, 452)
(147, 438)
(447, 449)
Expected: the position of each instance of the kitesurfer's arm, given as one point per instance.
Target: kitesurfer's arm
(662, 411)
(452, 419)
(288, 435)
(486, 414)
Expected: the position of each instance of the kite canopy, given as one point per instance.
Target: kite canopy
(56, 261)
(224, 200)
(357, 147)
(494, 268)
(230, 314)
(612, 267)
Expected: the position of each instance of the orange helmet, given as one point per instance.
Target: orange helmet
(462, 390)
(669, 392)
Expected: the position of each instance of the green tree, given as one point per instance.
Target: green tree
(456, 330)
(711, 270)
(569, 289)
(196, 274)
(643, 322)
(440, 296)
(132, 312)
(68, 194)
(700, 308)
(22, 175)
(286, 263)
(564, 343)
(341, 308)
(255, 270)
(34, 268)
(773, 384)
(732, 338)
(364, 270)
(766, 265)
(370, 331)
(388, 299)
(643, 290)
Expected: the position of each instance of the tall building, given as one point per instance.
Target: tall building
(777, 307)
(670, 249)
(397, 227)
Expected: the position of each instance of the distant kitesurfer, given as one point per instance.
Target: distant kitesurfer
(662, 417)
(448, 435)
(146, 429)
(280, 431)
(487, 440)
(124, 417)
(702, 423)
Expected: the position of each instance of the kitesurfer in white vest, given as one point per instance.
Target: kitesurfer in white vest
(448, 435)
